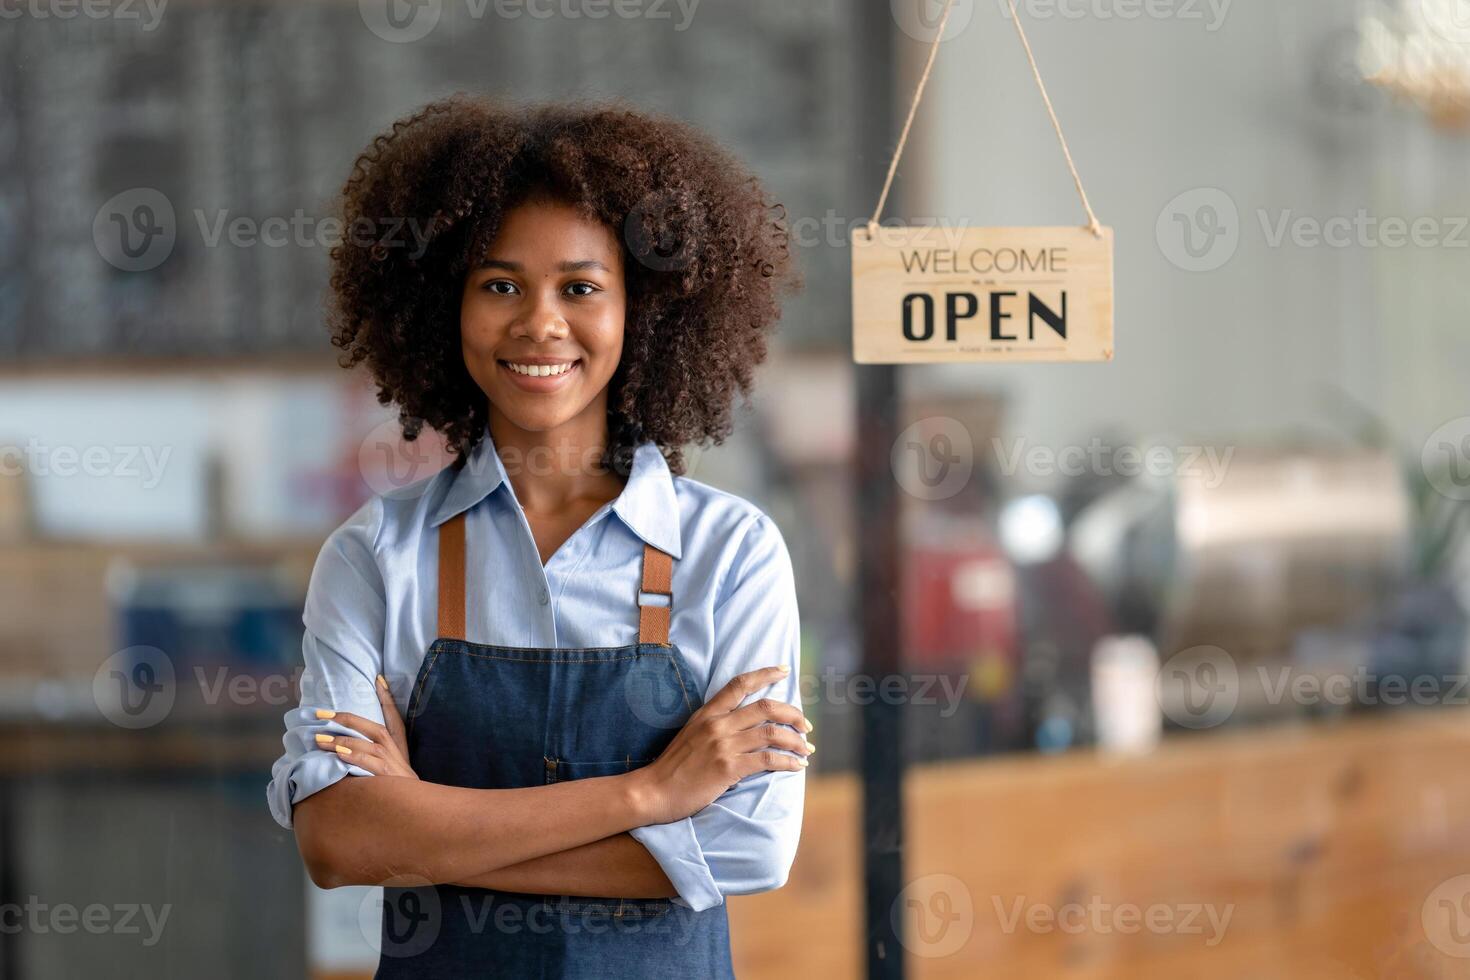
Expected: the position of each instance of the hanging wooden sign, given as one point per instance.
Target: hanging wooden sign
(932, 294)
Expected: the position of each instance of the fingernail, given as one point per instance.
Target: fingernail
(810, 747)
(807, 723)
(784, 669)
(382, 683)
(806, 762)
(325, 713)
(343, 750)
(324, 739)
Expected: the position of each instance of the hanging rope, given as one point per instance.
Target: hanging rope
(903, 137)
(1093, 225)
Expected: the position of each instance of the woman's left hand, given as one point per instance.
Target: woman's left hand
(384, 749)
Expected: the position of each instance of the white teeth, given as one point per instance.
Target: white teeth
(540, 370)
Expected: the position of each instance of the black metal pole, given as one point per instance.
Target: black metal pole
(879, 549)
(9, 873)
(879, 560)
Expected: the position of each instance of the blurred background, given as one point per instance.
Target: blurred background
(1180, 674)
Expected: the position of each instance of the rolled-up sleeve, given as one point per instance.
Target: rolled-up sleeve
(342, 649)
(744, 842)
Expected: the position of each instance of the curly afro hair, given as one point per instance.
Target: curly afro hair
(706, 260)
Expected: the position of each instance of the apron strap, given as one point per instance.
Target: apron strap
(658, 579)
(451, 578)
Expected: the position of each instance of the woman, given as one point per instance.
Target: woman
(537, 662)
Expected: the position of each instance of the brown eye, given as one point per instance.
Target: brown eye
(500, 287)
(582, 288)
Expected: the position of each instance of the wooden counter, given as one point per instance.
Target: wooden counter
(1323, 843)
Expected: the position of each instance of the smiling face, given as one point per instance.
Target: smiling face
(541, 318)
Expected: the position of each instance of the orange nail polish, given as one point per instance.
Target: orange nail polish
(325, 713)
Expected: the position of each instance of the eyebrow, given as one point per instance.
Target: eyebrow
(581, 265)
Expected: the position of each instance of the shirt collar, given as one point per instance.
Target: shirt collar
(648, 504)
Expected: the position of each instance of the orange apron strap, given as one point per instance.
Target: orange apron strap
(658, 578)
(451, 578)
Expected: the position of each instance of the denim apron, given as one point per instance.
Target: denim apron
(494, 717)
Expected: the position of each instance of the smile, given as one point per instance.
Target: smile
(540, 377)
(540, 370)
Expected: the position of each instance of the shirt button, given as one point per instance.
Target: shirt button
(544, 597)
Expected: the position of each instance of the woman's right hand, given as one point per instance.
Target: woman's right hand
(720, 745)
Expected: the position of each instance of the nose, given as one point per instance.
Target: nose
(543, 319)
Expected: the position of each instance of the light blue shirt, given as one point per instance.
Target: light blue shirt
(372, 607)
